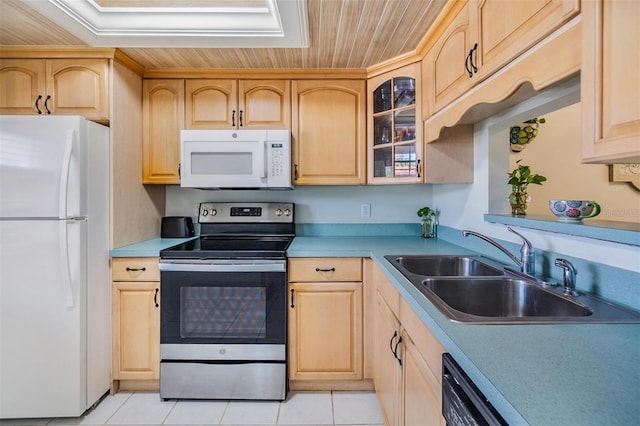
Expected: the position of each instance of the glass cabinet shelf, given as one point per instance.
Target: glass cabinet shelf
(394, 129)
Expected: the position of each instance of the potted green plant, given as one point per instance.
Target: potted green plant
(519, 179)
(429, 225)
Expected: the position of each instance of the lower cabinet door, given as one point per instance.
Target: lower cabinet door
(388, 370)
(325, 331)
(136, 331)
(422, 403)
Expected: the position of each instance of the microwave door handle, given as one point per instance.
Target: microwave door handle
(265, 159)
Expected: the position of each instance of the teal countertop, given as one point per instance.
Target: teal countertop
(571, 374)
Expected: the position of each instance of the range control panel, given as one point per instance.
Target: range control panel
(246, 212)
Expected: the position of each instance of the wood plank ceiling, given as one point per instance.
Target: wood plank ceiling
(343, 34)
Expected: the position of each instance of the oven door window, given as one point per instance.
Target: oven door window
(223, 307)
(223, 312)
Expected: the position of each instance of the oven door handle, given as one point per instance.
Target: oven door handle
(222, 267)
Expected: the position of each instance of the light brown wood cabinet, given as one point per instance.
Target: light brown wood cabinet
(162, 120)
(328, 132)
(238, 104)
(445, 74)
(422, 393)
(610, 87)
(135, 323)
(388, 370)
(481, 37)
(408, 361)
(76, 86)
(394, 142)
(325, 321)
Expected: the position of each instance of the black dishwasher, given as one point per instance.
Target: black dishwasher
(462, 402)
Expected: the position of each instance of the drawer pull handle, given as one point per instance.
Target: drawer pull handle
(325, 270)
(136, 269)
(155, 297)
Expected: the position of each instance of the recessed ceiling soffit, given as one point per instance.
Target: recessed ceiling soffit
(175, 23)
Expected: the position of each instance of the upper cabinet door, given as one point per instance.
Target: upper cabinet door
(610, 86)
(446, 70)
(162, 120)
(508, 28)
(238, 104)
(78, 87)
(264, 104)
(21, 83)
(395, 135)
(481, 37)
(328, 132)
(212, 104)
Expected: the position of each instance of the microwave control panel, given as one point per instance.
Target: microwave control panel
(278, 159)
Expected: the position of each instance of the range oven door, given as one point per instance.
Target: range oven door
(223, 302)
(223, 329)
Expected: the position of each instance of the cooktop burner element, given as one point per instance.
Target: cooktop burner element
(239, 230)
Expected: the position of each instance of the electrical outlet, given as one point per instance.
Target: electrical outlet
(365, 210)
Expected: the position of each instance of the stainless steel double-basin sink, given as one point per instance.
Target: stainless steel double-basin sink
(474, 289)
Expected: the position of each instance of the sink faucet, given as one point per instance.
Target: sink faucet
(527, 253)
(569, 272)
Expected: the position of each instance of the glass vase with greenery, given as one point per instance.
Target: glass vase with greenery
(519, 179)
(429, 227)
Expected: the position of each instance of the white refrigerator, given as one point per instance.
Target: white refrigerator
(55, 333)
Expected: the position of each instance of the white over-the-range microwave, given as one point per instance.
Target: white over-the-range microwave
(259, 159)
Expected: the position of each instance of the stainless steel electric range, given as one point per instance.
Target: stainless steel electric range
(223, 305)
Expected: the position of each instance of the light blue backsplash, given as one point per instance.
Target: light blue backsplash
(318, 204)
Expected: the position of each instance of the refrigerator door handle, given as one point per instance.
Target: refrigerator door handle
(64, 174)
(67, 282)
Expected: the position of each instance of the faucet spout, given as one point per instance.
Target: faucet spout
(495, 244)
(527, 260)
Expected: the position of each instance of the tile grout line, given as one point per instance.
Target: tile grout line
(333, 410)
(175, 402)
(117, 409)
(226, 407)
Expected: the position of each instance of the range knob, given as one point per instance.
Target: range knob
(278, 212)
(205, 212)
(287, 212)
(214, 212)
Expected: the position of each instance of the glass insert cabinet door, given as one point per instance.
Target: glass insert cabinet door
(395, 144)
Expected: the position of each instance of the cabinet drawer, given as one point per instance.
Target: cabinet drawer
(316, 269)
(135, 269)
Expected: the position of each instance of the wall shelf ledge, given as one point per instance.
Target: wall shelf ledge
(607, 230)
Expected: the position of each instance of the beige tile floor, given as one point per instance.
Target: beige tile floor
(300, 408)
